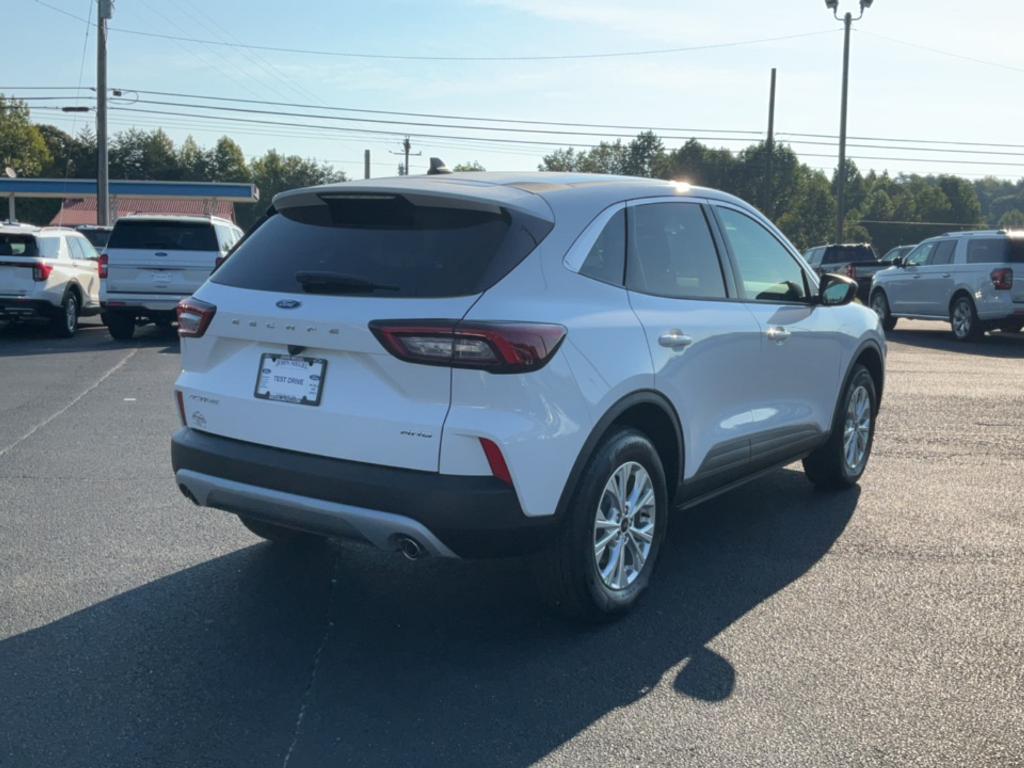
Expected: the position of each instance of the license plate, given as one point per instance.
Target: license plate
(288, 379)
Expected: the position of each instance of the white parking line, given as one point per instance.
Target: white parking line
(66, 408)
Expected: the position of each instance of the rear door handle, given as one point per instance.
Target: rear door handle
(917, 277)
(675, 339)
(778, 334)
(946, 274)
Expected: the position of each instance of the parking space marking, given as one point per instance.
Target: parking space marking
(7, 449)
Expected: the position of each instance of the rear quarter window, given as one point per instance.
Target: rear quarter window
(995, 250)
(18, 245)
(163, 236)
(392, 246)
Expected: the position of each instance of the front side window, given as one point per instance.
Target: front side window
(606, 260)
(920, 255)
(671, 252)
(768, 272)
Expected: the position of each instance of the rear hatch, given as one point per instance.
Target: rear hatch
(18, 255)
(160, 256)
(1001, 252)
(289, 359)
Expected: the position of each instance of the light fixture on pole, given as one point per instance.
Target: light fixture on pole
(847, 19)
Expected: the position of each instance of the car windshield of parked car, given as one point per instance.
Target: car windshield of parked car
(18, 245)
(163, 236)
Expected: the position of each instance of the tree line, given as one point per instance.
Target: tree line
(882, 209)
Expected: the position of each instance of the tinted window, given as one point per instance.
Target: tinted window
(163, 235)
(98, 237)
(921, 254)
(813, 256)
(943, 253)
(18, 245)
(671, 252)
(995, 250)
(768, 272)
(76, 249)
(389, 244)
(846, 254)
(607, 258)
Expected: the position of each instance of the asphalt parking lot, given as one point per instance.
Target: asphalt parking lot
(880, 626)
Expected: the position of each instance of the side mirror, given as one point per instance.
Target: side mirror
(836, 290)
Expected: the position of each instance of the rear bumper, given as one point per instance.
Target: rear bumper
(448, 515)
(15, 307)
(141, 302)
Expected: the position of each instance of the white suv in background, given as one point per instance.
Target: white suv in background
(47, 273)
(151, 263)
(479, 365)
(966, 278)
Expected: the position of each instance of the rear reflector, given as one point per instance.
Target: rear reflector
(492, 347)
(1002, 279)
(102, 265)
(498, 466)
(194, 317)
(181, 406)
(41, 272)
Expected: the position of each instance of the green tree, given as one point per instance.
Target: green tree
(1012, 220)
(642, 156)
(193, 161)
(226, 162)
(810, 217)
(473, 165)
(274, 172)
(138, 154)
(22, 146)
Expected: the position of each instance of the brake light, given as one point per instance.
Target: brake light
(181, 406)
(498, 466)
(194, 317)
(41, 272)
(218, 261)
(101, 265)
(851, 271)
(492, 347)
(1002, 279)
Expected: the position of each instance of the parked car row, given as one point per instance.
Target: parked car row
(147, 264)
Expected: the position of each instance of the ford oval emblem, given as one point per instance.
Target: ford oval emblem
(289, 304)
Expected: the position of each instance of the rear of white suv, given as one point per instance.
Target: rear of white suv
(461, 366)
(150, 263)
(47, 273)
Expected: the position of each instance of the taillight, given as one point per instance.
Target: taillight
(1002, 279)
(494, 457)
(101, 264)
(194, 317)
(218, 261)
(41, 272)
(493, 347)
(851, 271)
(181, 406)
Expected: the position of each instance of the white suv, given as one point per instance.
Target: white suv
(488, 364)
(47, 273)
(151, 263)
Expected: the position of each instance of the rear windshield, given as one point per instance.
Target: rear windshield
(163, 236)
(98, 237)
(18, 245)
(844, 254)
(382, 245)
(995, 250)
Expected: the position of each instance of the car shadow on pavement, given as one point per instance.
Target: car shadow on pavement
(1004, 345)
(342, 655)
(24, 339)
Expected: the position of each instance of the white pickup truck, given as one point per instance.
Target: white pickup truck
(47, 273)
(153, 262)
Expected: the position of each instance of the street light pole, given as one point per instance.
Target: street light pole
(105, 11)
(847, 20)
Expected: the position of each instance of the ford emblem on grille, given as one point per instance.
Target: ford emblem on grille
(289, 304)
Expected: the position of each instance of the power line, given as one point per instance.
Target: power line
(941, 52)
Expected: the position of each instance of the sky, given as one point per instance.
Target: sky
(921, 70)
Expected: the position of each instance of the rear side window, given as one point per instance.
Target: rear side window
(943, 253)
(151, 235)
(995, 250)
(18, 245)
(384, 245)
(607, 258)
(671, 252)
(49, 247)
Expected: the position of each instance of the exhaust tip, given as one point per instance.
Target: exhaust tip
(410, 548)
(188, 494)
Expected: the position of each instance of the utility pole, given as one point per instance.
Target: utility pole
(105, 11)
(847, 20)
(406, 146)
(768, 205)
(366, 163)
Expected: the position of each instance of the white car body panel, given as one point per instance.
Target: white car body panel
(73, 266)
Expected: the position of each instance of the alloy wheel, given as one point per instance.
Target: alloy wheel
(962, 319)
(624, 525)
(857, 430)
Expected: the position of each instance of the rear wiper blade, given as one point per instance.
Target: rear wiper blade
(334, 282)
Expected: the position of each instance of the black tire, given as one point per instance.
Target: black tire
(880, 303)
(567, 574)
(963, 320)
(827, 466)
(121, 327)
(65, 322)
(276, 533)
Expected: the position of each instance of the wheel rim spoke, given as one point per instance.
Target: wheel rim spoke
(857, 429)
(624, 525)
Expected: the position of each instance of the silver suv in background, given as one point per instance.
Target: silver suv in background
(153, 262)
(966, 278)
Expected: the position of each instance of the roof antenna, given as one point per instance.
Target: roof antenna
(437, 166)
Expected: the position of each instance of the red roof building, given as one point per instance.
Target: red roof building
(83, 211)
